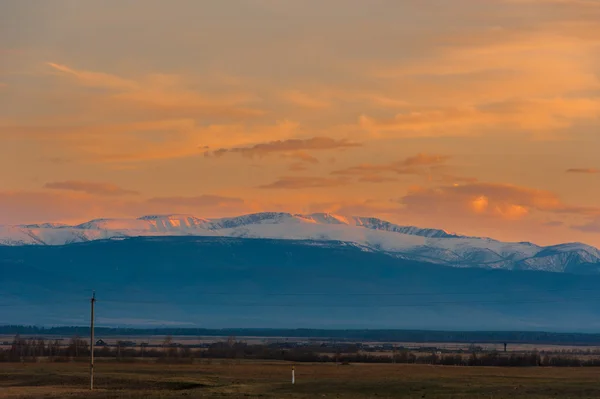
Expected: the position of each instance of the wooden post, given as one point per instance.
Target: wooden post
(93, 302)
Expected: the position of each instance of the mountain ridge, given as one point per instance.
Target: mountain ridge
(409, 242)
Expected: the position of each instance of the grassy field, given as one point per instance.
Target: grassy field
(272, 380)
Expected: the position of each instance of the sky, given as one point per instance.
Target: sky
(481, 117)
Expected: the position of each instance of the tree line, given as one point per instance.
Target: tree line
(78, 349)
(419, 336)
(30, 349)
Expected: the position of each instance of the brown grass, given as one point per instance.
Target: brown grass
(271, 380)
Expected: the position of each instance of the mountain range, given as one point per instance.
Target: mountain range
(365, 233)
(226, 282)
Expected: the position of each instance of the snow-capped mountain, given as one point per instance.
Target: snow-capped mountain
(371, 234)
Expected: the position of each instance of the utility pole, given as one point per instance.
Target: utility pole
(93, 302)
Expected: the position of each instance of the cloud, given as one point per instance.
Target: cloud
(57, 160)
(377, 173)
(367, 207)
(414, 122)
(584, 170)
(326, 96)
(302, 182)
(174, 102)
(166, 95)
(489, 199)
(590, 227)
(302, 160)
(570, 3)
(371, 169)
(447, 178)
(545, 74)
(148, 140)
(142, 118)
(425, 160)
(375, 178)
(192, 141)
(302, 157)
(305, 100)
(74, 207)
(93, 188)
(537, 115)
(96, 79)
(197, 201)
(41, 206)
(290, 145)
(297, 167)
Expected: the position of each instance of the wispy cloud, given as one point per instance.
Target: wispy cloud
(305, 100)
(75, 206)
(490, 199)
(303, 182)
(570, 3)
(166, 95)
(18, 207)
(302, 157)
(160, 139)
(197, 201)
(537, 115)
(93, 188)
(539, 78)
(290, 145)
(297, 167)
(590, 171)
(96, 79)
(415, 165)
(375, 178)
(449, 178)
(358, 207)
(592, 226)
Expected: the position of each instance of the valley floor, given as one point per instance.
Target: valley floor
(245, 379)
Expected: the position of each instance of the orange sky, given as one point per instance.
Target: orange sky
(477, 116)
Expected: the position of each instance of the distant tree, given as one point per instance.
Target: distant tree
(231, 341)
(118, 349)
(186, 352)
(41, 347)
(169, 347)
(54, 348)
(77, 347)
(143, 346)
(17, 349)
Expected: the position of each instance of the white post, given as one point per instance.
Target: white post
(293, 375)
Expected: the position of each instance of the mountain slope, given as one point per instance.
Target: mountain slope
(229, 282)
(407, 242)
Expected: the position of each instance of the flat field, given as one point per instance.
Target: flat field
(224, 379)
